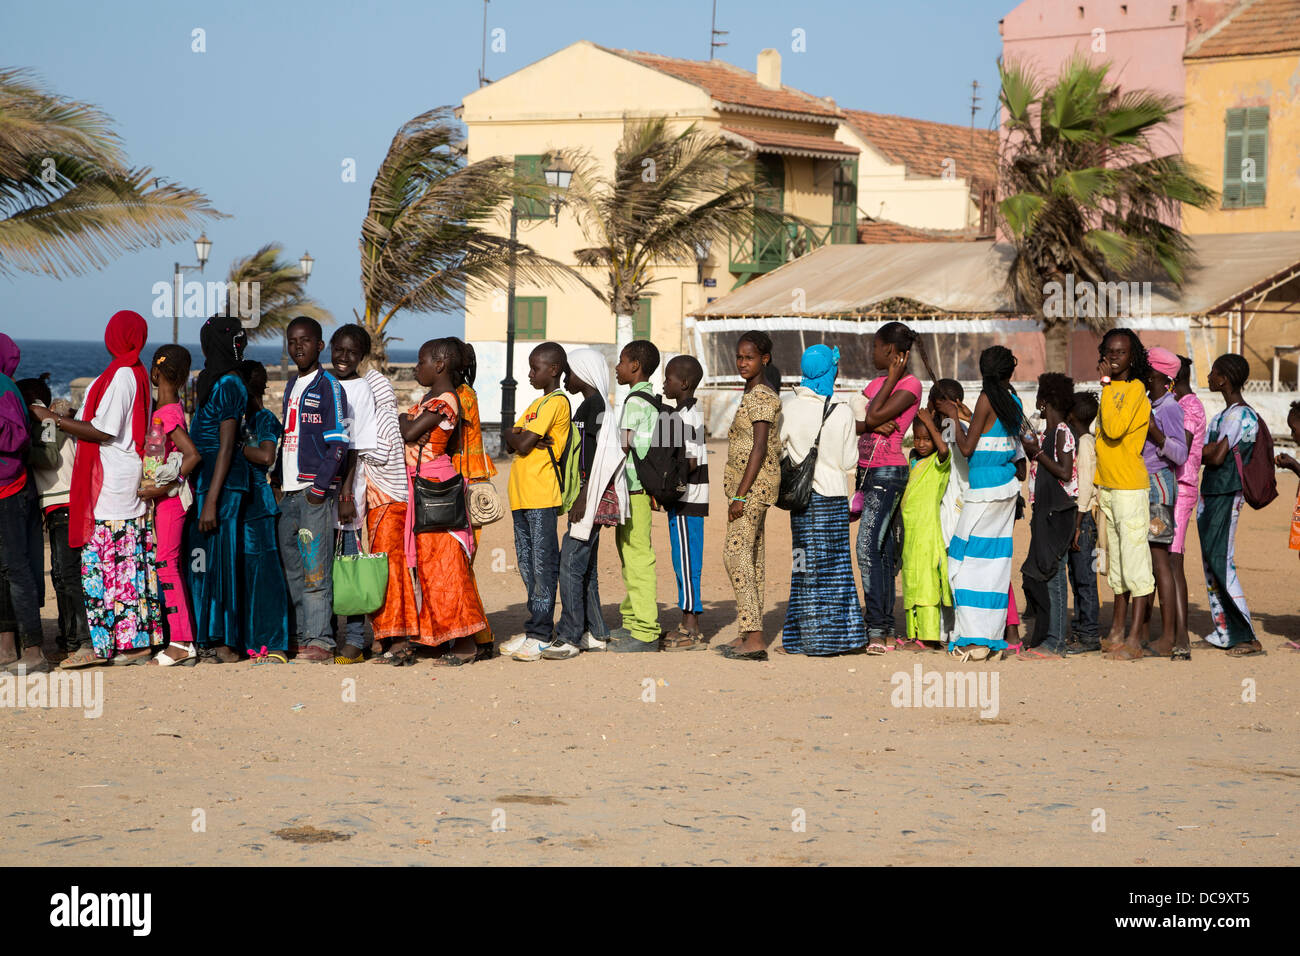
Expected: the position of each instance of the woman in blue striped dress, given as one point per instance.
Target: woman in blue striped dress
(979, 557)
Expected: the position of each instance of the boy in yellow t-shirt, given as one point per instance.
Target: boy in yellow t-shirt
(538, 439)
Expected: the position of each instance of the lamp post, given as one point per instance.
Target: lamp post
(202, 249)
(304, 264)
(557, 179)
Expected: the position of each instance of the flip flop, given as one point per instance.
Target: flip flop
(344, 659)
(1245, 651)
(1125, 651)
(1292, 644)
(117, 660)
(732, 654)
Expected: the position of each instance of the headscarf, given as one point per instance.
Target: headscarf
(12, 406)
(9, 355)
(1164, 361)
(820, 365)
(608, 465)
(125, 336)
(222, 339)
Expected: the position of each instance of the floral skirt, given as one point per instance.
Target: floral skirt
(120, 580)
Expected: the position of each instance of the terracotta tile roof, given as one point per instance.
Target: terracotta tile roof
(791, 143)
(922, 145)
(1255, 27)
(733, 86)
(884, 232)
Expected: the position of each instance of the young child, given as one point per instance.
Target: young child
(349, 346)
(266, 608)
(925, 556)
(686, 517)
(172, 499)
(637, 421)
(958, 474)
(538, 440)
(1083, 576)
(451, 611)
(582, 627)
(311, 458)
(1051, 529)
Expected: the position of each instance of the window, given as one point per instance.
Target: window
(530, 318)
(844, 203)
(529, 169)
(1245, 157)
(641, 319)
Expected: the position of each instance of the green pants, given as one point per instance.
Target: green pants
(640, 609)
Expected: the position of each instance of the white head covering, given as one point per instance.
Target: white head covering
(608, 465)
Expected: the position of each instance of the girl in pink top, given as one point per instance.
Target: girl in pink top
(1188, 491)
(170, 372)
(892, 402)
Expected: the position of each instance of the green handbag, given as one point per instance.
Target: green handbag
(360, 580)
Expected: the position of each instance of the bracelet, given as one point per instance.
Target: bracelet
(741, 500)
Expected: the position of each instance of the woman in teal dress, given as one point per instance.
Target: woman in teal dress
(213, 536)
(265, 630)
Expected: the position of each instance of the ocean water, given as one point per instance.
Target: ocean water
(66, 361)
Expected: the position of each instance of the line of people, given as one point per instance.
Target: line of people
(174, 542)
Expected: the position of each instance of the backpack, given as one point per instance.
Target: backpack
(664, 469)
(568, 466)
(1258, 477)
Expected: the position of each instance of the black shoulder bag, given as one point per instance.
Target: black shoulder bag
(439, 505)
(795, 493)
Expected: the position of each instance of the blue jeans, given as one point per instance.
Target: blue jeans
(686, 535)
(354, 625)
(580, 589)
(306, 534)
(22, 562)
(1083, 577)
(537, 548)
(882, 489)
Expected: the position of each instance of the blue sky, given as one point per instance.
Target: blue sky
(287, 89)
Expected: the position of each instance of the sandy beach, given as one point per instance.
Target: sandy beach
(680, 758)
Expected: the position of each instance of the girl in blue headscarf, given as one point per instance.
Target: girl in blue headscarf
(823, 616)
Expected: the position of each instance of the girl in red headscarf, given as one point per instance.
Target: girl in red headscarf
(108, 520)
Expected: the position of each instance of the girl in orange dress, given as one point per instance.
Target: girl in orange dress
(470, 458)
(450, 608)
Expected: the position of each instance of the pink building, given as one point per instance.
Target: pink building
(1143, 40)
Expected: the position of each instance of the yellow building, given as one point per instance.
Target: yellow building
(1242, 122)
(579, 98)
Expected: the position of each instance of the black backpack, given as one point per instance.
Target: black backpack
(664, 469)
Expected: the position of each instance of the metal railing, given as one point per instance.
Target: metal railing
(765, 249)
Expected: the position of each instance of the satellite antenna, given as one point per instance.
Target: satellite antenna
(714, 32)
(974, 99)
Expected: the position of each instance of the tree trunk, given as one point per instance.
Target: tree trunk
(379, 353)
(622, 336)
(1056, 335)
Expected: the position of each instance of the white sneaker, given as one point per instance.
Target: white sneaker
(559, 650)
(509, 647)
(588, 642)
(529, 650)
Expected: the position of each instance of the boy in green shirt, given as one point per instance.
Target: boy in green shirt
(637, 421)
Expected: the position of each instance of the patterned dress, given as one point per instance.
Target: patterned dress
(1216, 520)
(743, 553)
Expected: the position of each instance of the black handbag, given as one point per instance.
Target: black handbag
(439, 505)
(795, 493)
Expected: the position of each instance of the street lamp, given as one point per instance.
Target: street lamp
(557, 179)
(701, 256)
(202, 249)
(305, 263)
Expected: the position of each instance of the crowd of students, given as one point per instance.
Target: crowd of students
(174, 541)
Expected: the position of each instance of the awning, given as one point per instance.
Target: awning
(788, 144)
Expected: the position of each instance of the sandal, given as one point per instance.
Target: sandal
(163, 659)
(83, 658)
(271, 657)
(1181, 654)
(876, 646)
(485, 652)
(1123, 653)
(121, 660)
(681, 640)
(452, 660)
(731, 654)
(1246, 650)
(403, 658)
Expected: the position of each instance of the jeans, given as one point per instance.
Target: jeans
(65, 574)
(1083, 577)
(1053, 599)
(537, 548)
(306, 533)
(580, 589)
(882, 489)
(354, 625)
(22, 561)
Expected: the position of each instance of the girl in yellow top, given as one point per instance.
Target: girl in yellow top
(1123, 486)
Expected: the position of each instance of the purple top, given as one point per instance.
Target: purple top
(1168, 414)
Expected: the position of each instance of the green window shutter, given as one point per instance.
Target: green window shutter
(529, 169)
(530, 318)
(1255, 156)
(641, 319)
(844, 203)
(1234, 124)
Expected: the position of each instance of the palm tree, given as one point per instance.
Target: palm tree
(1086, 195)
(281, 291)
(425, 241)
(68, 201)
(668, 197)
